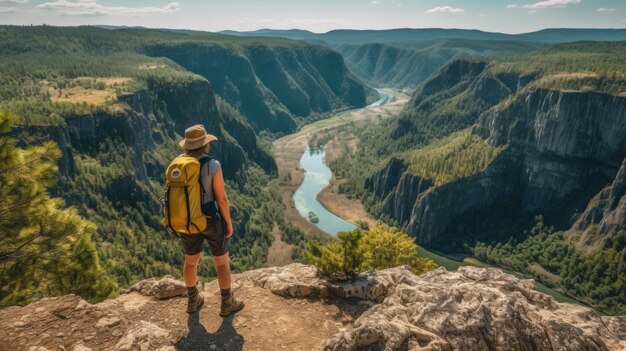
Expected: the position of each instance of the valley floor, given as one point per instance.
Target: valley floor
(288, 151)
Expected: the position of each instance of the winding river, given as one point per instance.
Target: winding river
(317, 177)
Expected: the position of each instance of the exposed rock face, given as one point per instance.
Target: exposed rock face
(298, 280)
(470, 309)
(587, 126)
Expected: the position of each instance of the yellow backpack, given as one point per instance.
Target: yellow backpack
(183, 197)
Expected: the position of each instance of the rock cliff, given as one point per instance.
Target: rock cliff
(562, 149)
(470, 309)
(605, 213)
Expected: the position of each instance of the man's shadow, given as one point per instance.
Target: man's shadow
(198, 338)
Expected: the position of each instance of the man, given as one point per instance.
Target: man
(196, 144)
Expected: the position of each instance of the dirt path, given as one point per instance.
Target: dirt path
(289, 149)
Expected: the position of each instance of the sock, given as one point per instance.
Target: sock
(192, 292)
(225, 292)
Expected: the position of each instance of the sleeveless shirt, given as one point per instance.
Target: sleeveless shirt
(208, 171)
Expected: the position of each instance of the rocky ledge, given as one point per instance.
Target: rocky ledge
(291, 308)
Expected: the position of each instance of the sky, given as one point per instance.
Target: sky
(507, 16)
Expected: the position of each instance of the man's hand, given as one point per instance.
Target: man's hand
(229, 230)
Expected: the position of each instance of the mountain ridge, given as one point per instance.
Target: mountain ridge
(548, 35)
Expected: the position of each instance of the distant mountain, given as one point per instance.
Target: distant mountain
(563, 35)
(298, 34)
(418, 35)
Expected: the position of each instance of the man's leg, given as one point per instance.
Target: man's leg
(222, 264)
(190, 269)
(190, 275)
(229, 303)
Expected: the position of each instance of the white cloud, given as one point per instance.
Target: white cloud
(8, 9)
(551, 3)
(15, 1)
(605, 9)
(512, 6)
(93, 8)
(446, 9)
(482, 14)
(375, 2)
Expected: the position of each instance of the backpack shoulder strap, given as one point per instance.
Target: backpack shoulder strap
(204, 159)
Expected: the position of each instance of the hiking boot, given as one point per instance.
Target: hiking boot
(195, 303)
(230, 305)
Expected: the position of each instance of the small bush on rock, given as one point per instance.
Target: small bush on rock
(338, 260)
(361, 250)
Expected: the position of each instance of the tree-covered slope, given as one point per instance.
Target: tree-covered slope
(407, 66)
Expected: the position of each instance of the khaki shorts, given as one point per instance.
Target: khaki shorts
(192, 243)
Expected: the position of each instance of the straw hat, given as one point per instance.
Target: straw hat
(196, 137)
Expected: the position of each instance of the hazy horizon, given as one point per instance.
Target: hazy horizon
(510, 17)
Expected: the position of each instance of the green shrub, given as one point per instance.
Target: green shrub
(361, 250)
(388, 247)
(338, 260)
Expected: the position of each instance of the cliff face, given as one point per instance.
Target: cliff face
(562, 149)
(577, 125)
(195, 102)
(144, 123)
(470, 309)
(605, 213)
(272, 85)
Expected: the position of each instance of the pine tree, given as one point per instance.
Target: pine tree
(45, 249)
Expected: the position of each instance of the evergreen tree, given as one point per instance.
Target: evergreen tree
(45, 249)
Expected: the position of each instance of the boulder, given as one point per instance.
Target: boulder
(164, 288)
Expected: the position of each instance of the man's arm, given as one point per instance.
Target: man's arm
(222, 200)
